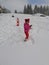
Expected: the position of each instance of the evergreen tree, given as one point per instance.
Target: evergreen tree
(28, 9)
(25, 9)
(41, 9)
(44, 10)
(4, 10)
(31, 11)
(35, 9)
(0, 9)
(38, 10)
(47, 10)
(15, 11)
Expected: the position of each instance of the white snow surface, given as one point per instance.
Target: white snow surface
(13, 49)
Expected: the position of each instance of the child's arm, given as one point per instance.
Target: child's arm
(30, 26)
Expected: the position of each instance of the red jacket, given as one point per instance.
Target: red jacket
(26, 27)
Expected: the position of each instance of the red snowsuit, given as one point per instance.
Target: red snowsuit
(26, 29)
(17, 22)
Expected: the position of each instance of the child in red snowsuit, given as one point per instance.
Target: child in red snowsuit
(27, 27)
(17, 22)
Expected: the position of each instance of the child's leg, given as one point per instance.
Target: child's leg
(27, 35)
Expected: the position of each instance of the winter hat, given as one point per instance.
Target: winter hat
(27, 20)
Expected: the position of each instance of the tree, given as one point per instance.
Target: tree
(28, 9)
(15, 11)
(25, 9)
(0, 9)
(5, 10)
(47, 10)
(31, 11)
(44, 10)
(41, 9)
(35, 9)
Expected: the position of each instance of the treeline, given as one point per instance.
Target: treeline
(4, 10)
(37, 9)
(29, 10)
(41, 9)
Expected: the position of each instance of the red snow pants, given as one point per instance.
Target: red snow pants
(27, 35)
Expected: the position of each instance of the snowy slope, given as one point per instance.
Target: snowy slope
(14, 51)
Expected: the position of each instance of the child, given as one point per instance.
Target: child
(17, 22)
(27, 27)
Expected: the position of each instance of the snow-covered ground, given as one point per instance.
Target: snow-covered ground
(13, 49)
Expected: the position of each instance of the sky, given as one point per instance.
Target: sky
(39, 2)
(19, 4)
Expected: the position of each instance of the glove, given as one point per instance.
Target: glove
(30, 25)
